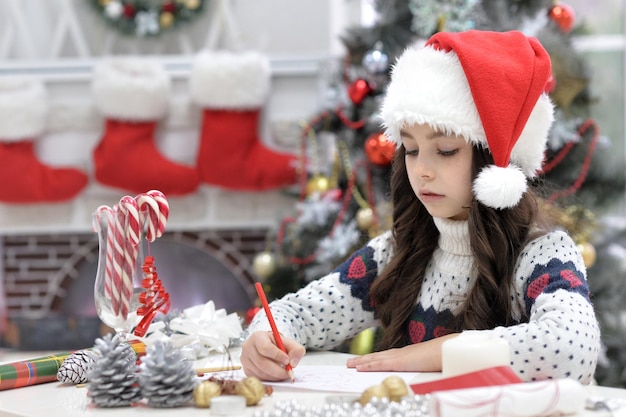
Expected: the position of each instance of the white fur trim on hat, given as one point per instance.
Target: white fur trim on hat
(23, 108)
(129, 88)
(429, 86)
(499, 187)
(229, 80)
(529, 150)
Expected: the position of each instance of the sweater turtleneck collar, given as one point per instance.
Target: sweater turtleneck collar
(453, 236)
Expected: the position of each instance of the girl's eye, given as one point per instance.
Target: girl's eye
(448, 153)
(410, 152)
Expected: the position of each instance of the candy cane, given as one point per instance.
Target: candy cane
(106, 213)
(148, 208)
(155, 206)
(123, 271)
(164, 210)
(129, 216)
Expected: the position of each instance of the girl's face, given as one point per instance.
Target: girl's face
(439, 168)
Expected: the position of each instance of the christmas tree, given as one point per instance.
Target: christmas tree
(344, 194)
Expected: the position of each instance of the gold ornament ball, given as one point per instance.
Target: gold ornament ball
(264, 264)
(363, 342)
(588, 253)
(204, 391)
(192, 4)
(397, 388)
(376, 391)
(251, 388)
(166, 19)
(365, 218)
(317, 184)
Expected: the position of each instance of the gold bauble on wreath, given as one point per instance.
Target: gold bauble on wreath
(318, 183)
(264, 264)
(588, 252)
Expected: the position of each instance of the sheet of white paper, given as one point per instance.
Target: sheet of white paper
(342, 379)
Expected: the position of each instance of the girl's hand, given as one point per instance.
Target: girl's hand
(420, 357)
(260, 357)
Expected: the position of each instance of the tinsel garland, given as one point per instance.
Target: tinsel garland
(144, 18)
(416, 406)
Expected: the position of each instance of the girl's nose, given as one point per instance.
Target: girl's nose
(423, 167)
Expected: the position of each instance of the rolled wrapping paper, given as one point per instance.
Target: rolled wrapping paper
(43, 369)
(472, 351)
(531, 399)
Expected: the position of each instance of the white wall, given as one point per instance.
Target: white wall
(59, 40)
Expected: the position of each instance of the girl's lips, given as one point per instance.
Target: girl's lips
(428, 196)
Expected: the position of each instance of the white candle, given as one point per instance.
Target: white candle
(472, 351)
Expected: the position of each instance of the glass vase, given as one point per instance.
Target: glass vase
(119, 275)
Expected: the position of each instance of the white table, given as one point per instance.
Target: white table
(57, 400)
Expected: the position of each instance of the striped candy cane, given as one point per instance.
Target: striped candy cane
(149, 212)
(154, 207)
(103, 218)
(129, 216)
(164, 210)
(123, 271)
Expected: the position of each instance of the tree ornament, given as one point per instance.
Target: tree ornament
(588, 252)
(376, 61)
(264, 264)
(113, 378)
(397, 388)
(205, 391)
(167, 378)
(251, 388)
(563, 15)
(75, 367)
(358, 90)
(168, 7)
(363, 343)
(365, 218)
(251, 313)
(166, 20)
(318, 183)
(379, 150)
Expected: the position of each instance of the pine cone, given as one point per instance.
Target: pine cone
(167, 379)
(113, 378)
(75, 367)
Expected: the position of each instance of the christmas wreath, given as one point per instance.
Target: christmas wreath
(147, 17)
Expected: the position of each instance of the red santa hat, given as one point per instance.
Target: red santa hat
(488, 87)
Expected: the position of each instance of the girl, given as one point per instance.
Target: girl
(468, 249)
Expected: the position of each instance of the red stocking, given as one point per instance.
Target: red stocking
(231, 88)
(23, 178)
(133, 94)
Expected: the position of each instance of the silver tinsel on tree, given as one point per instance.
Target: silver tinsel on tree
(166, 377)
(113, 378)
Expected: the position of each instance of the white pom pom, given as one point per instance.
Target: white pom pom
(499, 187)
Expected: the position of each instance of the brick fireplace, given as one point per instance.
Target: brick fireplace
(48, 280)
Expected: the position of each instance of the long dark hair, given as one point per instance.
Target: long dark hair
(496, 239)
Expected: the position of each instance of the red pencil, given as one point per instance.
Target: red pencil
(270, 318)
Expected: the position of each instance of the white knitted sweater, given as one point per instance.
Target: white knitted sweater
(560, 340)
